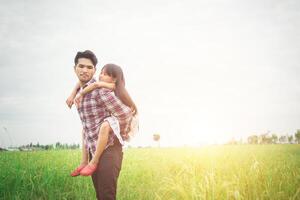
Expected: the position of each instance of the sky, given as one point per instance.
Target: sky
(200, 72)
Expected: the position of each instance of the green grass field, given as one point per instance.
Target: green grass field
(214, 172)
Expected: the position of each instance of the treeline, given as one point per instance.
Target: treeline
(268, 138)
(57, 145)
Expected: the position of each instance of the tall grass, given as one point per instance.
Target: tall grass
(215, 172)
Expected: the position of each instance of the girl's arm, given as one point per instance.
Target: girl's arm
(92, 87)
(96, 85)
(126, 99)
(71, 98)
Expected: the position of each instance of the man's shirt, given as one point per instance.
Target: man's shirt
(96, 107)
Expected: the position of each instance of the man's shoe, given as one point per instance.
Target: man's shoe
(76, 172)
(88, 170)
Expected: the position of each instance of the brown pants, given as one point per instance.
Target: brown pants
(105, 178)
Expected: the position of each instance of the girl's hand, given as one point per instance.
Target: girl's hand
(78, 99)
(70, 101)
(133, 111)
(113, 86)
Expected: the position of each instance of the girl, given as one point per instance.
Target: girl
(111, 77)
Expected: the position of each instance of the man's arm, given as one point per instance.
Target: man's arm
(71, 98)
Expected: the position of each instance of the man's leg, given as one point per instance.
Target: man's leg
(106, 176)
(95, 180)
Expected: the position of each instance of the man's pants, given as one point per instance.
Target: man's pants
(105, 178)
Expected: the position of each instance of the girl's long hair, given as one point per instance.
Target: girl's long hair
(120, 91)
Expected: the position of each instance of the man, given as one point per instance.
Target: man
(95, 107)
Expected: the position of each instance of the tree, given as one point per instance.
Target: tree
(253, 139)
(274, 138)
(57, 145)
(156, 138)
(297, 136)
(290, 138)
(283, 139)
(265, 138)
(232, 142)
(48, 147)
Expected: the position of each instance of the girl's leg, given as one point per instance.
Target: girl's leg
(101, 142)
(84, 156)
(84, 159)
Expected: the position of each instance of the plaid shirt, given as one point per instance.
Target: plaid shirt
(102, 105)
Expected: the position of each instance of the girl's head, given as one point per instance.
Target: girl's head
(113, 74)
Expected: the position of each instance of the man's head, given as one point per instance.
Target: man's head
(85, 65)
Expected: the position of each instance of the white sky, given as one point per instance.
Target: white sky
(199, 71)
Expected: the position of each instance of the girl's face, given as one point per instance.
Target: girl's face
(106, 78)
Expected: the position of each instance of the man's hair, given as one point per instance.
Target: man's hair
(86, 54)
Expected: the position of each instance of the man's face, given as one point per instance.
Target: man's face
(85, 70)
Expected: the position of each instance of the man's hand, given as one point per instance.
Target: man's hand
(70, 101)
(78, 99)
